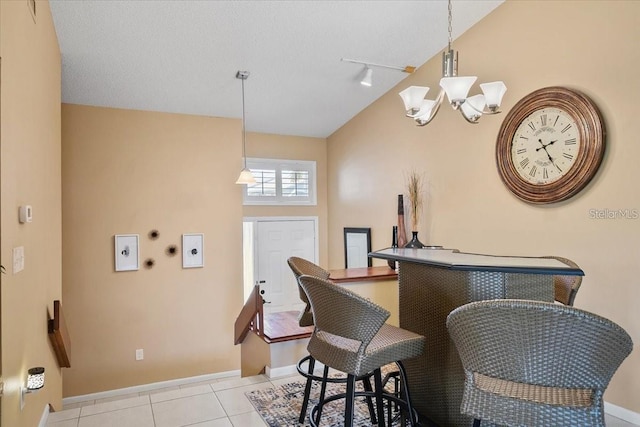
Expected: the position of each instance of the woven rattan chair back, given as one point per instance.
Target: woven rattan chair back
(566, 287)
(300, 267)
(345, 324)
(531, 363)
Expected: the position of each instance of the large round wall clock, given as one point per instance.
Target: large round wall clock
(550, 145)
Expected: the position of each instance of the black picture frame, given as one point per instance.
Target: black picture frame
(357, 245)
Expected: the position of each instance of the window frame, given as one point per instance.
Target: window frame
(279, 165)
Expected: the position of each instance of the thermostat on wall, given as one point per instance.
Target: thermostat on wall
(25, 214)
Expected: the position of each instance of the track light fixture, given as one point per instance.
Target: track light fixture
(367, 80)
(367, 74)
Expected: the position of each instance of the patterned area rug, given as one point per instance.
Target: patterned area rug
(280, 406)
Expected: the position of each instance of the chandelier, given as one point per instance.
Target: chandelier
(457, 89)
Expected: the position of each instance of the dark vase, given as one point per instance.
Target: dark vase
(414, 242)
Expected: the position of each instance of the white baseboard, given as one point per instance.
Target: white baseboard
(148, 387)
(282, 371)
(622, 413)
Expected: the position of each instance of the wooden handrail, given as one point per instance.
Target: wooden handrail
(59, 336)
(251, 317)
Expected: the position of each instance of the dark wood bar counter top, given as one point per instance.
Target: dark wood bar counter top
(365, 274)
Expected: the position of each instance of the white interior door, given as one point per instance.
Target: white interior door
(275, 242)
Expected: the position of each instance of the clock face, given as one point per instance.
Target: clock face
(545, 146)
(550, 145)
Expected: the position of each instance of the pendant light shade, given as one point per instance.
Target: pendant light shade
(246, 177)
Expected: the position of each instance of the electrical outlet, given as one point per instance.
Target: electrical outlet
(139, 354)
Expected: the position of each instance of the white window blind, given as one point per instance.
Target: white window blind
(281, 182)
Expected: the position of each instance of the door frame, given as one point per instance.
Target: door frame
(250, 255)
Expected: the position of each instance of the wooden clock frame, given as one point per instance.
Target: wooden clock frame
(592, 136)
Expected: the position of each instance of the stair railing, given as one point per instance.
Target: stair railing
(251, 317)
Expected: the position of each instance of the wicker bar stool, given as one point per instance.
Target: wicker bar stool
(532, 363)
(352, 337)
(300, 267)
(565, 287)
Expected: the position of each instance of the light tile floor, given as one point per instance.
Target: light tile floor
(221, 403)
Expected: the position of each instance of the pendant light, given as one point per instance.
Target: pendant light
(246, 177)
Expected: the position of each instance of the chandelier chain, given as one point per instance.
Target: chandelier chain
(449, 24)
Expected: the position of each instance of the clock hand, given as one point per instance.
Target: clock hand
(544, 145)
(551, 158)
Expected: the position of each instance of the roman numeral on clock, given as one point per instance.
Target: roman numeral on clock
(524, 162)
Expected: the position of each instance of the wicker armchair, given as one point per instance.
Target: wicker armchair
(531, 363)
(351, 336)
(566, 287)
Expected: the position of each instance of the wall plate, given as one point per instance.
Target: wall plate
(126, 252)
(192, 250)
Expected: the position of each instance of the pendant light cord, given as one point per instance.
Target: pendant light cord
(244, 155)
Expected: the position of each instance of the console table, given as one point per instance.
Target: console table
(433, 282)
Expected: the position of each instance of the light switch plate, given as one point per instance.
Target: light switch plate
(18, 259)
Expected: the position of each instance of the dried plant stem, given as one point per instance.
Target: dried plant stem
(414, 188)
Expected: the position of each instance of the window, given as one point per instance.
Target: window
(281, 182)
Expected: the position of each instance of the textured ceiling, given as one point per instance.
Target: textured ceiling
(181, 56)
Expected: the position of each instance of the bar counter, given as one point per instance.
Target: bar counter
(433, 282)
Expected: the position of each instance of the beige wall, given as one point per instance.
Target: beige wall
(128, 172)
(30, 174)
(589, 46)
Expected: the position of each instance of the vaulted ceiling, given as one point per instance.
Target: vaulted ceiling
(182, 56)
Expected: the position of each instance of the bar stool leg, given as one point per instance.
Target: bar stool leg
(307, 390)
(323, 389)
(366, 384)
(350, 401)
(407, 397)
(377, 377)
